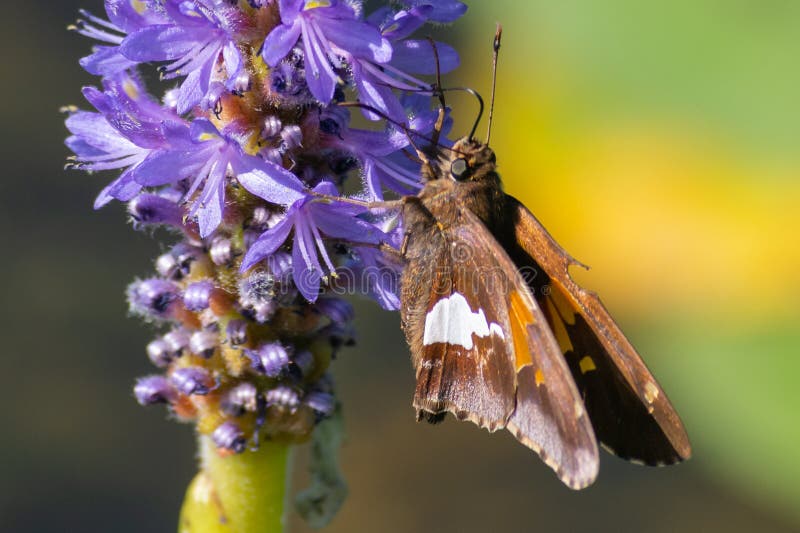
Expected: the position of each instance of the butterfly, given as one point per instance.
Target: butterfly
(502, 336)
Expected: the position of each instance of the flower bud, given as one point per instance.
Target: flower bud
(153, 389)
(240, 399)
(159, 353)
(153, 209)
(271, 359)
(229, 436)
(151, 297)
(197, 295)
(221, 251)
(322, 403)
(236, 332)
(203, 343)
(192, 380)
(283, 397)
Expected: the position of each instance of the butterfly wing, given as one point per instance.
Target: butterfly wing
(483, 349)
(630, 413)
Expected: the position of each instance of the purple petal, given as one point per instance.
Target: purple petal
(404, 23)
(122, 189)
(106, 61)
(380, 97)
(209, 214)
(95, 131)
(330, 220)
(443, 10)
(290, 9)
(168, 166)
(306, 272)
(161, 42)
(128, 15)
(267, 243)
(358, 38)
(267, 180)
(279, 43)
(320, 77)
(194, 87)
(417, 56)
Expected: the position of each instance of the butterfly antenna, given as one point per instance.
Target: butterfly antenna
(474, 93)
(496, 48)
(437, 89)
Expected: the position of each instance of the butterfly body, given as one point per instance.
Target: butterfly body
(500, 334)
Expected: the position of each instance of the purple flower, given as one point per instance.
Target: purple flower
(330, 30)
(128, 127)
(204, 155)
(380, 152)
(379, 278)
(125, 16)
(196, 37)
(311, 218)
(376, 81)
(260, 173)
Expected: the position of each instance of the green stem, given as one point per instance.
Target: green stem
(242, 493)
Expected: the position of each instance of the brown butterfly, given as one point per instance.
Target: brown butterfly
(502, 336)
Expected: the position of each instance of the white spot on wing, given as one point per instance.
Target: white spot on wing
(452, 321)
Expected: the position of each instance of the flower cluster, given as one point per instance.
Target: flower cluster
(245, 159)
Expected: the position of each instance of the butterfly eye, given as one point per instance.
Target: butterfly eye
(459, 168)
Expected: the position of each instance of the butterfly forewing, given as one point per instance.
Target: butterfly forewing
(483, 349)
(630, 413)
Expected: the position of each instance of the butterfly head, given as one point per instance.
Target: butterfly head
(468, 160)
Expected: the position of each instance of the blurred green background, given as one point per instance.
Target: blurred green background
(659, 142)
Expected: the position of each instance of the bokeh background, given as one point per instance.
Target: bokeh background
(659, 142)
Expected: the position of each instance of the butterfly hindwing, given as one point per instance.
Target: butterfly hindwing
(483, 349)
(630, 413)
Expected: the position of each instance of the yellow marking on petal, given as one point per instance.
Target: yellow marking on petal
(520, 316)
(587, 365)
(539, 377)
(650, 392)
(207, 136)
(565, 306)
(559, 329)
(130, 89)
(139, 6)
(312, 4)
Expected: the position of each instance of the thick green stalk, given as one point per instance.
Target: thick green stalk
(240, 493)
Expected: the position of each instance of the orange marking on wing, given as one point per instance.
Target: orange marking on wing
(566, 308)
(559, 329)
(587, 365)
(539, 377)
(520, 317)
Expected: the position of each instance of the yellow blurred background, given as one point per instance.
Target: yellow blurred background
(658, 142)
